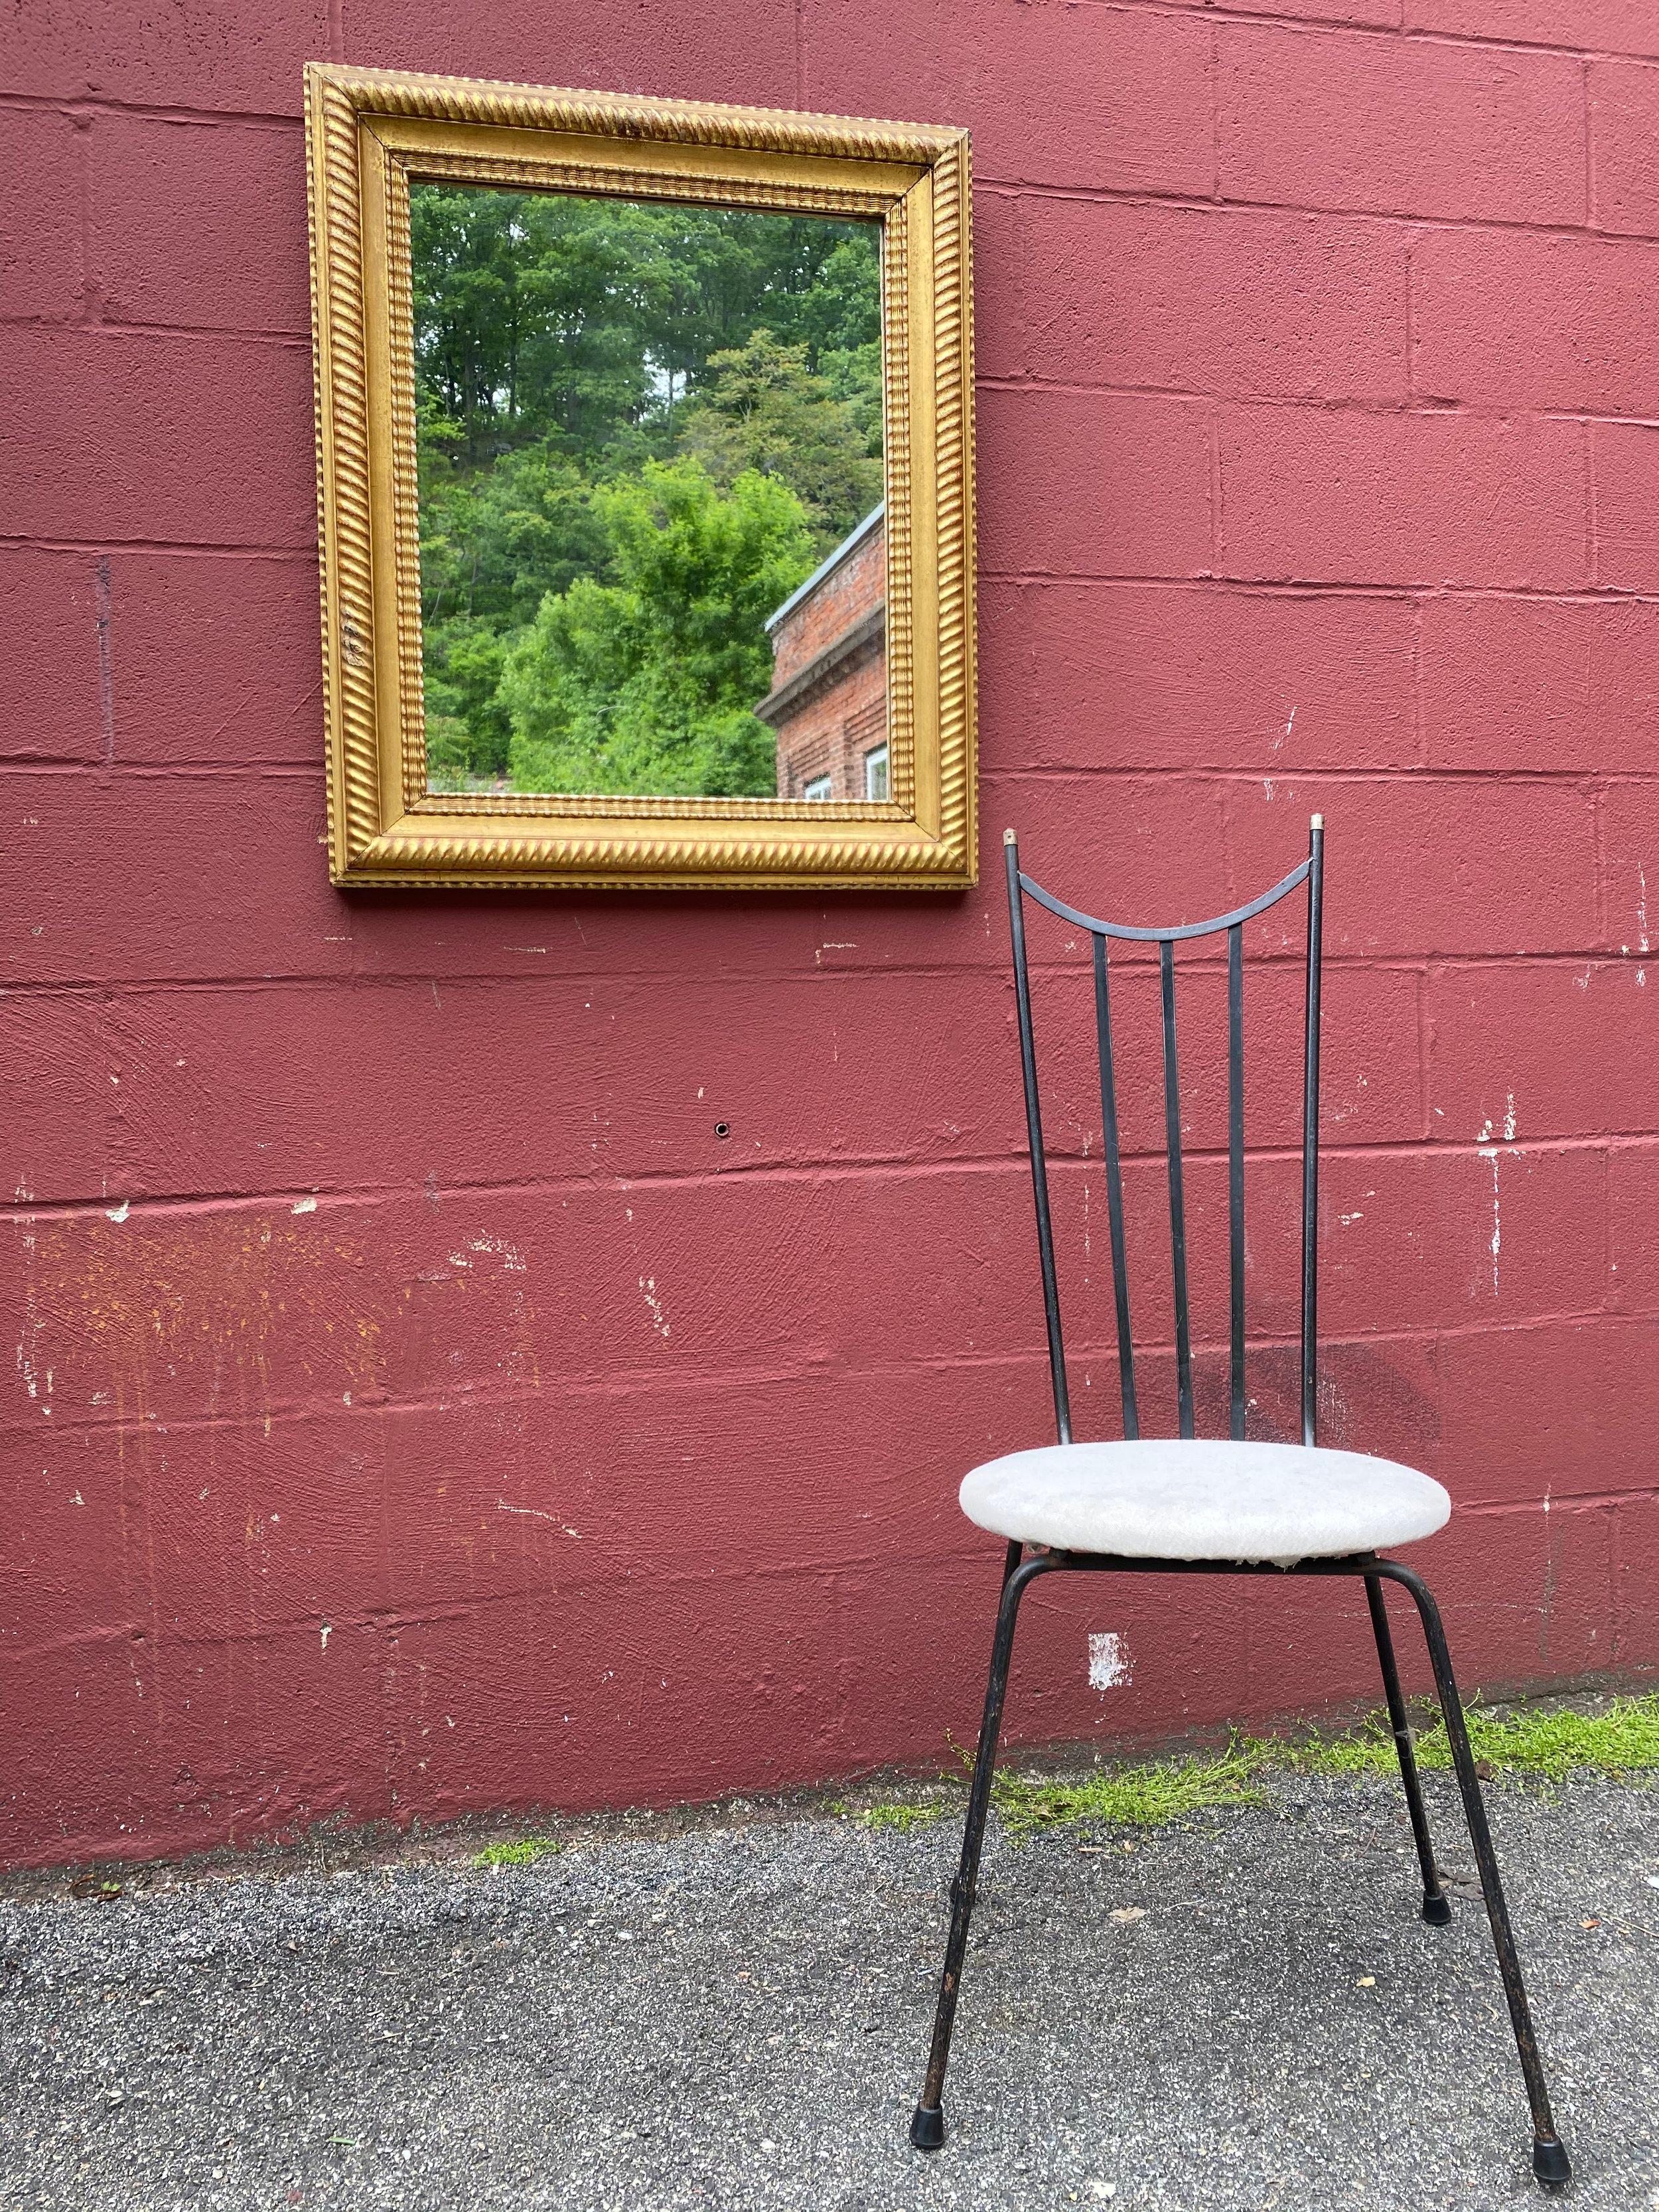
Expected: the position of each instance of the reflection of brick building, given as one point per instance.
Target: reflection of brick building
(829, 697)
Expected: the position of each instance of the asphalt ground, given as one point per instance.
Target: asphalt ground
(1244, 2011)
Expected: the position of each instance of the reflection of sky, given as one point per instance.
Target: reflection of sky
(664, 385)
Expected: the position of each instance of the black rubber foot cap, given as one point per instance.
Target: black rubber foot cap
(1551, 2164)
(927, 2128)
(1437, 1911)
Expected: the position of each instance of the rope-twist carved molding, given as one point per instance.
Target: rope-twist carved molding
(604, 115)
(896, 440)
(344, 464)
(430, 858)
(953, 382)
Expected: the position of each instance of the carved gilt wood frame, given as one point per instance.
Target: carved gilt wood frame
(369, 132)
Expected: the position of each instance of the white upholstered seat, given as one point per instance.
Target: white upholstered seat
(1166, 1497)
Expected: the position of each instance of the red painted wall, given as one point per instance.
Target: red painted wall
(417, 1406)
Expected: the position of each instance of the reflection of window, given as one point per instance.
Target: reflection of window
(875, 773)
(818, 788)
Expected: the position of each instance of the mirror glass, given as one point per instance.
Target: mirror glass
(652, 546)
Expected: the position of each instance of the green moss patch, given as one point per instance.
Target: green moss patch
(525, 1852)
(1146, 1796)
(1620, 1738)
(904, 1817)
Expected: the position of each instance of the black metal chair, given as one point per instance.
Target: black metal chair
(1182, 1505)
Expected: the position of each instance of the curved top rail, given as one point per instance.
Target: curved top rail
(1298, 875)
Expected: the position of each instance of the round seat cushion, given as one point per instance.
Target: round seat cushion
(1167, 1497)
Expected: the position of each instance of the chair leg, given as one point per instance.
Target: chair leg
(928, 2128)
(1436, 1906)
(1549, 2157)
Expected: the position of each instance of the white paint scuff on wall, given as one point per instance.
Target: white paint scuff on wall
(1108, 1661)
(1488, 1151)
(509, 1254)
(536, 1513)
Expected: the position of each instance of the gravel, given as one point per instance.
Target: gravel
(736, 2016)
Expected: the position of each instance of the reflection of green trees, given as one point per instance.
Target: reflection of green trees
(640, 426)
(645, 683)
(763, 409)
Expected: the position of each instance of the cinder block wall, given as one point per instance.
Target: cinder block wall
(417, 1404)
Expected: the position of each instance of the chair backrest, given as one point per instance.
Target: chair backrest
(1021, 887)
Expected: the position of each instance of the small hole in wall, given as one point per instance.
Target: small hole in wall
(722, 1128)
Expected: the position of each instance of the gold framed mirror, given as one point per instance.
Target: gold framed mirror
(645, 472)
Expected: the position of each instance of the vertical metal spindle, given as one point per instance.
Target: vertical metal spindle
(1310, 1136)
(1236, 1166)
(1034, 1136)
(1177, 1203)
(1126, 1352)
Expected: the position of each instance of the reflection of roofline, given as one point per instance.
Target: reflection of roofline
(869, 632)
(850, 543)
